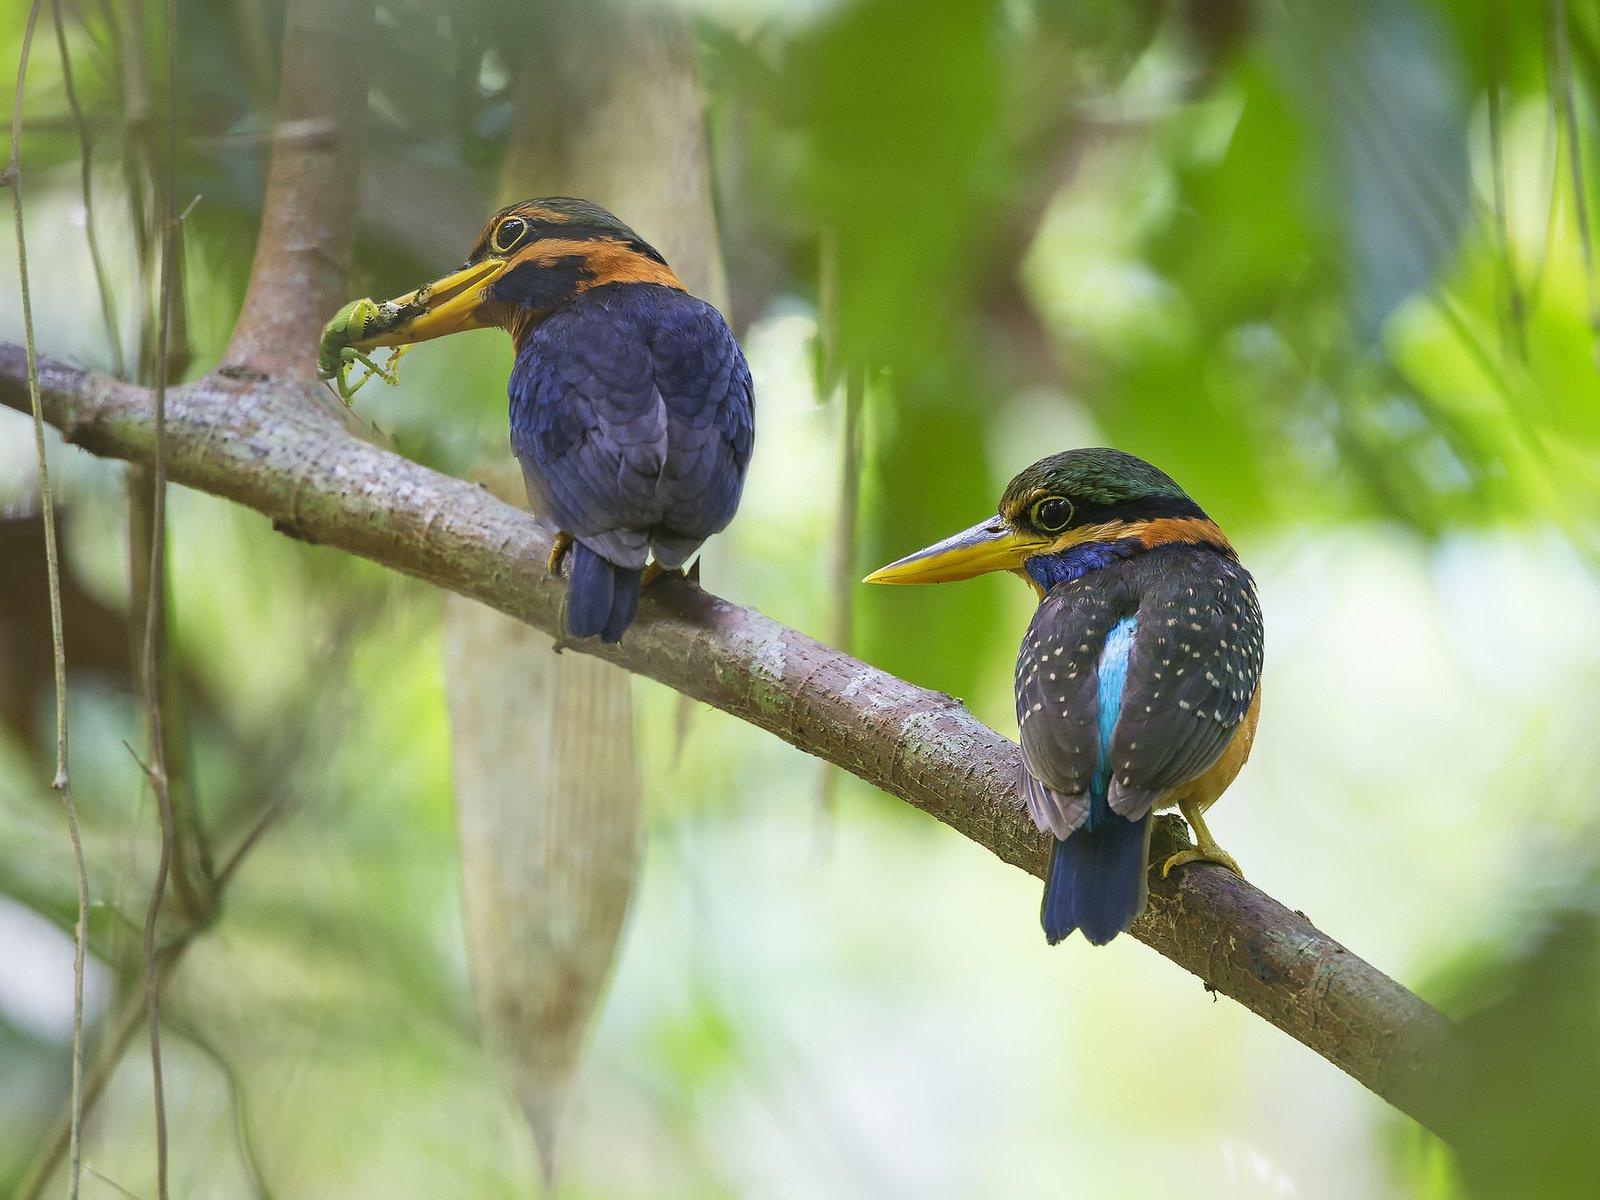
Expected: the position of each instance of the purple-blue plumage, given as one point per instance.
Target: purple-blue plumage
(632, 416)
(1075, 562)
(604, 597)
(1097, 881)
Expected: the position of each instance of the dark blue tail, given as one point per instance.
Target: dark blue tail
(1097, 881)
(604, 598)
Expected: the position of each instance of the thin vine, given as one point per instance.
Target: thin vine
(62, 781)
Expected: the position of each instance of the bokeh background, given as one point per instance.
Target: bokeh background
(1328, 265)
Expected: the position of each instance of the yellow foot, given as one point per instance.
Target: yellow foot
(1205, 850)
(1203, 853)
(655, 571)
(558, 552)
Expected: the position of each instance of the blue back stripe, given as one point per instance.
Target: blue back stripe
(1113, 674)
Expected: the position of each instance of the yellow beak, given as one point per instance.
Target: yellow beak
(991, 545)
(449, 305)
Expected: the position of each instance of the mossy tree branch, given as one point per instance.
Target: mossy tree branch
(274, 447)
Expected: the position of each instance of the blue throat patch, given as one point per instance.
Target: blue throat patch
(1075, 562)
(1113, 674)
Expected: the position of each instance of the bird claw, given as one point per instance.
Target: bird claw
(1204, 850)
(558, 551)
(1212, 853)
(655, 571)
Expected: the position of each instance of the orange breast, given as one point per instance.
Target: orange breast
(1204, 789)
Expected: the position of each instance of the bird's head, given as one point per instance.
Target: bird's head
(1063, 516)
(530, 259)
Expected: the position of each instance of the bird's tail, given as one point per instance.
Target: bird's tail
(1097, 881)
(604, 597)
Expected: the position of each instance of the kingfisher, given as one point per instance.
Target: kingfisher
(632, 409)
(1138, 680)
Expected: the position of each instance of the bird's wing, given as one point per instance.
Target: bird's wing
(1057, 687)
(705, 384)
(589, 425)
(1194, 669)
(634, 424)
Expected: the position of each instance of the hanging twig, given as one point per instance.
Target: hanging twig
(113, 1184)
(277, 765)
(149, 171)
(108, 312)
(61, 782)
(139, 175)
(119, 1030)
(191, 888)
(151, 197)
(309, 173)
(157, 769)
(249, 1160)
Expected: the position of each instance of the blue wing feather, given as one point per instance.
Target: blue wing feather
(632, 416)
(1112, 677)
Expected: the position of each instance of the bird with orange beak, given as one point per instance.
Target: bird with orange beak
(632, 410)
(1138, 681)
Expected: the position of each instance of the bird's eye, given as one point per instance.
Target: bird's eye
(507, 234)
(1052, 514)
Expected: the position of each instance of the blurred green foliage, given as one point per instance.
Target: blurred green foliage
(1320, 262)
(1523, 1104)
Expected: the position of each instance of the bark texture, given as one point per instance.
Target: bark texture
(308, 222)
(272, 447)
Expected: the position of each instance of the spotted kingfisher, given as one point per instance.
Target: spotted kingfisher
(1138, 680)
(632, 411)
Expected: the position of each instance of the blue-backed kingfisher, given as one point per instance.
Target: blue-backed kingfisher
(1138, 681)
(632, 412)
